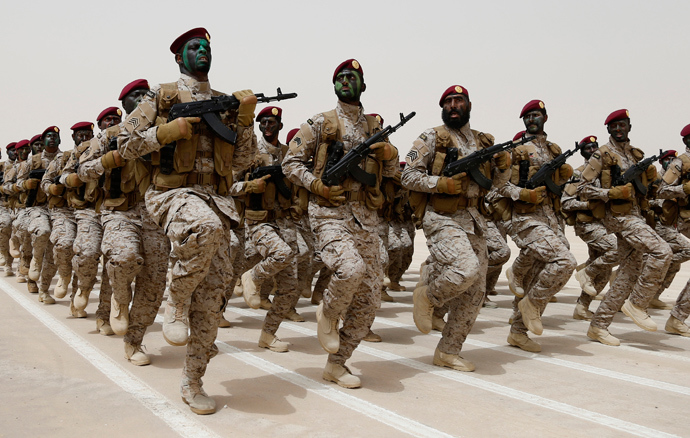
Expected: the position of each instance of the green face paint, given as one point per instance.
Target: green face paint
(348, 86)
(196, 55)
(51, 140)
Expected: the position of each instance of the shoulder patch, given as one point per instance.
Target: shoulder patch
(310, 121)
(298, 141)
(422, 136)
(150, 94)
(596, 155)
(412, 155)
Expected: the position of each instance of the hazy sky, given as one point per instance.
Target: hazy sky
(65, 61)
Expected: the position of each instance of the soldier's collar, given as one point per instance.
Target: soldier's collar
(194, 85)
(353, 111)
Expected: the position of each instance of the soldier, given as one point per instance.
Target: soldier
(343, 218)
(188, 199)
(400, 237)
(6, 218)
(644, 256)
(594, 274)
(453, 225)
(22, 219)
(37, 144)
(544, 264)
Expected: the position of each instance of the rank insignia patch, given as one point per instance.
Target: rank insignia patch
(412, 156)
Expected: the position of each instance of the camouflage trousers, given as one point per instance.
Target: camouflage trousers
(277, 244)
(644, 260)
(352, 253)
(237, 246)
(5, 233)
(39, 228)
(200, 237)
(680, 246)
(400, 249)
(305, 259)
(499, 254)
(457, 272)
(62, 237)
(603, 256)
(87, 254)
(382, 232)
(135, 247)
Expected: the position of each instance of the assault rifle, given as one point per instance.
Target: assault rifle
(115, 174)
(544, 175)
(31, 196)
(632, 175)
(277, 176)
(350, 162)
(209, 111)
(470, 164)
(2, 177)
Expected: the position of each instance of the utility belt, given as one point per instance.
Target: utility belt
(253, 217)
(201, 179)
(123, 203)
(522, 207)
(452, 203)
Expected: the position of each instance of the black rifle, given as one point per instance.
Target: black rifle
(209, 111)
(31, 197)
(2, 177)
(115, 174)
(350, 162)
(277, 176)
(470, 164)
(633, 173)
(545, 172)
(334, 153)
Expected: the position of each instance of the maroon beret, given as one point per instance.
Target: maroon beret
(617, 115)
(291, 134)
(112, 110)
(21, 144)
(11, 145)
(134, 85)
(198, 32)
(453, 89)
(518, 136)
(35, 138)
(668, 154)
(270, 111)
(50, 129)
(685, 131)
(82, 125)
(377, 117)
(535, 104)
(352, 64)
(587, 140)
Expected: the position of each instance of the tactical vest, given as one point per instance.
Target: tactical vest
(90, 195)
(36, 164)
(61, 200)
(186, 153)
(576, 216)
(617, 207)
(522, 153)
(673, 209)
(271, 204)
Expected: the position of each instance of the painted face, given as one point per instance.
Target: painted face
(588, 149)
(349, 86)
(51, 141)
(666, 161)
(456, 110)
(620, 129)
(37, 147)
(686, 140)
(108, 121)
(23, 153)
(132, 99)
(12, 154)
(196, 55)
(81, 136)
(534, 122)
(270, 127)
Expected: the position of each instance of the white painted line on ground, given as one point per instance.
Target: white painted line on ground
(465, 378)
(182, 423)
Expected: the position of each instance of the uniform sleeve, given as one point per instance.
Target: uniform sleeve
(390, 167)
(301, 150)
(70, 166)
(9, 180)
(245, 148)
(51, 172)
(138, 132)
(22, 175)
(419, 160)
(590, 182)
(671, 187)
(90, 166)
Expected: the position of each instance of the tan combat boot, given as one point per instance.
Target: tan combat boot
(8, 272)
(341, 375)
(327, 331)
(265, 304)
(306, 291)
(239, 289)
(21, 278)
(656, 303)
(119, 316)
(453, 361)
(316, 297)
(385, 297)
(224, 323)
(76, 313)
(32, 286)
(14, 250)
(397, 286)
(514, 284)
(582, 313)
(372, 337)
(81, 299)
(294, 316)
(45, 298)
(135, 355)
(195, 396)
(175, 324)
(603, 336)
(35, 268)
(639, 316)
(271, 342)
(104, 328)
(530, 316)
(250, 291)
(585, 282)
(523, 342)
(677, 327)
(61, 287)
(488, 304)
(423, 310)
(437, 323)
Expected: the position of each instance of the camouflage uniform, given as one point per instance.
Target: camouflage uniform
(6, 225)
(400, 239)
(644, 256)
(20, 224)
(499, 254)
(9, 178)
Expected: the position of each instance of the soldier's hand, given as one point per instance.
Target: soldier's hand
(31, 184)
(333, 193)
(686, 188)
(565, 172)
(534, 196)
(397, 178)
(384, 151)
(502, 160)
(622, 192)
(73, 181)
(245, 113)
(451, 186)
(56, 189)
(112, 160)
(178, 129)
(257, 185)
(651, 172)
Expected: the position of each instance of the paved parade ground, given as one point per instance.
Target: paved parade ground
(61, 378)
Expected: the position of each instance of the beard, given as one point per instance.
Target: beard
(455, 123)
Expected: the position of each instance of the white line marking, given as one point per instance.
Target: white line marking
(182, 423)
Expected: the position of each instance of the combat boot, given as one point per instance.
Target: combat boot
(582, 313)
(385, 297)
(61, 287)
(76, 313)
(119, 316)
(603, 336)
(45, 298)
(21, 278)
(386, 282)
(8, 272)
(514, 284)
(316, 297)
(81, 299)
(423, 310)
(306, 291)
(135, 355)
(585, 282)
(294, 316)
(175, 324)
(523, 342)
(453, 361)
(397, 286)
(656, 303)
(14, 251)
(265, 304)
(195, 396)
(639, 316)
(32, 286)
(104, 328)
(677, 327)
(437, 323)
(488, 304)
(271, 342)
(239, 289)
(251, 291)
(530, 316)
(35, 268)
(372, 337)
(327, 331)
(341, 375)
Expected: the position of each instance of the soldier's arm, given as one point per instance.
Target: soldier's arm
(300, 150)
(671, 186)
(246, 149)
(590, 185)
(51, 173)
(392, 166)
(138, 132)
(22, 175)
(416, 176)
(9, 180)
(90, 166)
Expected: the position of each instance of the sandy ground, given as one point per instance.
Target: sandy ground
(61, 378)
